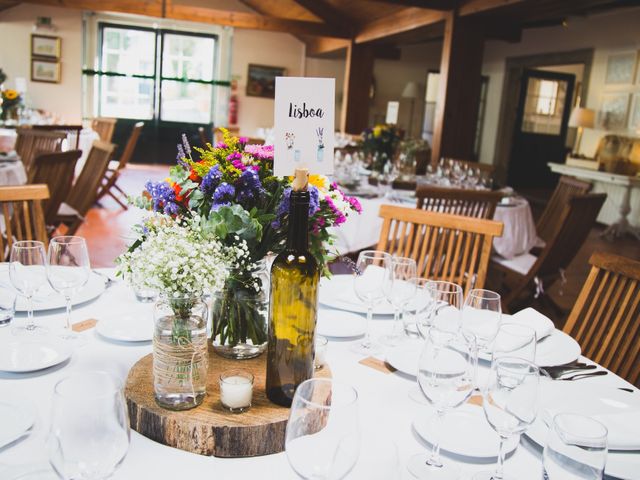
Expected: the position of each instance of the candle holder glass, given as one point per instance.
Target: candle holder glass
(236, 390)
(320, 357)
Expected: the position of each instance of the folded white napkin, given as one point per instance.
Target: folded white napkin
(534, 319)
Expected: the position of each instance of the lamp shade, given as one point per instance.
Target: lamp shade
(410, 90)
(582, 117)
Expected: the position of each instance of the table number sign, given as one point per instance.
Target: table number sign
(304, 125)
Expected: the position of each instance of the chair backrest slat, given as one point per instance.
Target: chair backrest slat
(84, 192)
(104, 127)
(23, 215)
(551, 217)
(605, 318)
(445, 246)
(458, 201)
(130, 147)
(31, 142)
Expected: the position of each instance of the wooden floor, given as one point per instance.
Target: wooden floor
(108, 226)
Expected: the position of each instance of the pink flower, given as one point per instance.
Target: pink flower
(355, 203)
(261, 152)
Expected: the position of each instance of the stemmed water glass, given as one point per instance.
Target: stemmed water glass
(399, 288)
(510, 403)
(444, 375)
(27, 272)
(322, 439)
(89, 433)
(370, 271)
(515, 340)
(68, 270)
(445, 304)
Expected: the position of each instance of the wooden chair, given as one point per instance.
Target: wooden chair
(104, 127)
(114, 169)
(445, 247)
(457, 201)
(56, 171)
(605, 319)
(22, 215)
(31, 142)
(530, 274)
(204, 137)
(552, 214)
(85, 190)
(72, 131)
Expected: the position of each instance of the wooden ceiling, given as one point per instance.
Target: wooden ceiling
(329, 25)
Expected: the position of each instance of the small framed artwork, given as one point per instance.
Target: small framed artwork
(614, 109)
(634, 116)
(45, 70)
(621, 68)
(261, 80)
(45, 46)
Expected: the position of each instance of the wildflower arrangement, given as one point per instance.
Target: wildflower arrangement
(11, 99)
(380, 142)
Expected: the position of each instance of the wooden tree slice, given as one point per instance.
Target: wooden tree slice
(209, 429)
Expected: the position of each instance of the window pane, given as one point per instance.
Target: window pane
(544, 106)
(126, 97)
(186, 56)
(128, 51)
(186, 102)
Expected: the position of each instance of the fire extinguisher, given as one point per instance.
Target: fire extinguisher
(233, 109)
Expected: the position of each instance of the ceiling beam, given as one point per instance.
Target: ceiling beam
(399, 22)
(318, 46)
(471, 7)
(154, 8)
(328, 14)
(443, 5)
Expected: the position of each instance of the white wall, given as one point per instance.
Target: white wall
(615, 31)
(16, 27)
(329, 68)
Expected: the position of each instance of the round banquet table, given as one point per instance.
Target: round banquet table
(386, 411)
(12, 173)
(519, 234)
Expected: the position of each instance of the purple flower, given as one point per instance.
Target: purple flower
(243, 140)
(221, 145)
(283, 207)
(249, 187)
(223, 194)
(211, 180)
(163, 197)
(187, 147)
(234, 156)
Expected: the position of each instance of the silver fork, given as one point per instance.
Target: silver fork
(579, 376)
(109, 281)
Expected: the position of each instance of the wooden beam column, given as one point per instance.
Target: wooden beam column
(459, 88)
(358, 78)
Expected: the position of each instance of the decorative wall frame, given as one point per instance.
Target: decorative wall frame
(45, 70)
(621, 68)
(261, 80)
(613, 112)
(45, 46)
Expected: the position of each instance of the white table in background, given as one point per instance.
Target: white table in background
(519, 235)
(12, 173)
(385, 409)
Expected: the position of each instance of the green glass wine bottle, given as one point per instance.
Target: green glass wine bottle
(293, 304)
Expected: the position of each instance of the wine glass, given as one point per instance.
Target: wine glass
(399, 288)
(481, 317)
(576, 448)
(68, 270)
(510, 403)
(515, 340)
(445, 378)
(416, 308)
(444, 307)
(89, 433)
(322, 439)
(28, 273)
(370, 272)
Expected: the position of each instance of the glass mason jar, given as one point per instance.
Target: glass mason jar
(180, 356)
(240, 312)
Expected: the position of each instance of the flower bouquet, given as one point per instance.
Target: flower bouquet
(232, 189)
(11, 100)
(380, 144)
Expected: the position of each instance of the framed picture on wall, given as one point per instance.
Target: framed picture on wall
(634, 116)
(45, 46)
(45, 70)
(614, 109)
(621, 68)
(261, 80)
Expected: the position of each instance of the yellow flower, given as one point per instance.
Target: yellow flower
(319, 181)
(10, 94)
(377, 130)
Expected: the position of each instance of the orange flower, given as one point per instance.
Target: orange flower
(193, 175)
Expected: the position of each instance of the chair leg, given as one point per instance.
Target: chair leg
(73, 227)
(118, 201)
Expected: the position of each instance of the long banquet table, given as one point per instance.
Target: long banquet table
(386, 411)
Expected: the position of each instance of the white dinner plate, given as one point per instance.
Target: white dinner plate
(134, 325)
(337, 292)
(465, 431)
(15, 419)
(340, 324)
(405, 357)
(20, 356)
(28, 472)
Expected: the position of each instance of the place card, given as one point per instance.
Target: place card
(304, 123)
(377, 364)
(84, 325)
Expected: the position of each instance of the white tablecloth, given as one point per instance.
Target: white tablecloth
(386, 411)
(12, 173)
(519, 234)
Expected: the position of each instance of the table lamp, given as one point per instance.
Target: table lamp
(411, 92)
(581, 118)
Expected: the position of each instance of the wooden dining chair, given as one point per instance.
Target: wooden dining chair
(71, 131)
(56, 171)
(22, 215)
(31, 142)
(605, 320)
(84, 192)
(457, 201)
(104, 127)
(526, 277)
(445, 247)
(552, 214)
(204, 137)
(115, 168)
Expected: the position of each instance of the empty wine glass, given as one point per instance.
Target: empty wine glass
(515, 340)
(370, 272)
(28, 273)
(322, 439)
(481, 316)
(68, 271)
(445, 378)
(89, 433)
(444, 307)
(510, 404)
(399, 288)
(416, 308)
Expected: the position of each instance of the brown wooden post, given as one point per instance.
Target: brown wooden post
(459, 89)
(358, 78)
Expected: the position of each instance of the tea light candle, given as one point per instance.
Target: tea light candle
(236, 390)
(321, 352)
